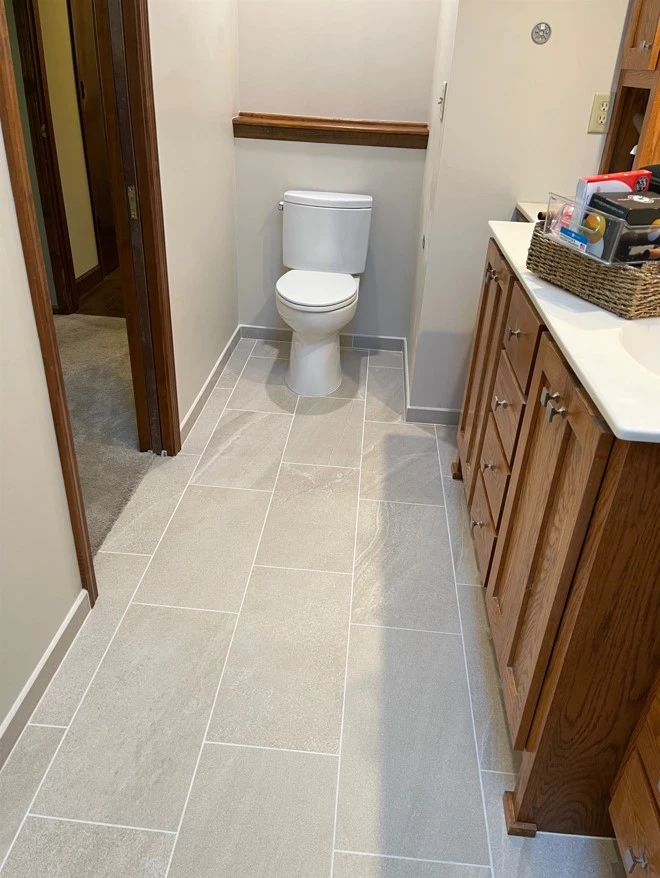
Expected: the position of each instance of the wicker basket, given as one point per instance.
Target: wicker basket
(625, 290)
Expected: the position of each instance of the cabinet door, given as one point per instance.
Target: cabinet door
(493, 306)
(642, 39)
(557, 472)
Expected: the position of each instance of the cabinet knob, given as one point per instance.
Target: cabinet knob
(512, 333)
(631, 860)
(474, 524)
(551, 411)
(498, 403)
(546, 395)
(644, 46)
(491, 274)
(485, 466)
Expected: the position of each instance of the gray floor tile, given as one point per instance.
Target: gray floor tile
(354, 370)
(403, 570)
(493, 742)
(355, 866)
(262, 388)
(547, 855)
(20, 777)
(380, 343)
(400, 462)
(245, 451)
(386, 359)
(327, 431)
(447, 447)
(145, 516)
(130, 752)
(234, 367)
(385, 395)
(58, 849)
(409, 781)
(284, 681)
(205, 423)
(117, 577)
(258, 813)
(272, 350)
(465, 561)
(205, 557)
(270, 333)
(311, 522)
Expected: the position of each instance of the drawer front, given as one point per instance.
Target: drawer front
(482, 527)
(635, 820)
(507, 405)
(495, 470)
(648, 745)
(522, 332)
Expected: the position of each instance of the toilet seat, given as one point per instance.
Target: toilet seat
(317, 290)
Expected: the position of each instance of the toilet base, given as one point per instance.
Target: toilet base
(314, 366)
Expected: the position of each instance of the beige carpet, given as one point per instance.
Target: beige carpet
(99, 389)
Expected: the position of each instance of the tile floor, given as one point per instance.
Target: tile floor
(289, 671)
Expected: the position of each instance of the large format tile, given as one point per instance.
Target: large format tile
(311, 523)
(284, 681)
(145, 516)
(236, 362)
(385, 395)
(400, 462)
(493, 742)
(130, 752)
(245, 451)
(465, 561)
(58, 849)
(205, 557)
(272, 350)
(327, 431)
(117, 577)
(205, 423)
(354, 374)
(547, 855)
(403, 569)
(447, 448)
(386, 359)
(356, 866)
(258, 813)
(262, 388)
(20, 778)
(409, 781)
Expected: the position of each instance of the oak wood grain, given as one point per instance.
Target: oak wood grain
(635, 817)
(495, 470)
(522, 334)
(507, 404)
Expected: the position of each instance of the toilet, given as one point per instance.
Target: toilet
(325, 238)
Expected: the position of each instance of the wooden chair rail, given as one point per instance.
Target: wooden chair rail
(320, 129)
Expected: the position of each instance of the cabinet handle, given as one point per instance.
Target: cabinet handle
(551, 411)
(474, 524)
(512, 333)
(644, 46)
(546, 395)
(631, 860)
(491, 274)
(485, 466)
(498, 403)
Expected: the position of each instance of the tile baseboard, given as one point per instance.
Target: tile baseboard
(23, 707)
(195, 410)
(423, 415)
(347, 340)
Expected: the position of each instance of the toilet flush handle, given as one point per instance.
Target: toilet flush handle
(280, 206)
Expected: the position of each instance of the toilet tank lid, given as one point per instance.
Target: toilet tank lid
(328, 199)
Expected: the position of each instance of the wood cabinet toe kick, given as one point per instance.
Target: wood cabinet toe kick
(566, 525)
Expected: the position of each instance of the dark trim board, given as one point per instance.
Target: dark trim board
(87, 281)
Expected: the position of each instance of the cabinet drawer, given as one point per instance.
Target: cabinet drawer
(648, 745)
(495, 470)
(507, 405)
(635, 820)
(522, 332)
(482, 527)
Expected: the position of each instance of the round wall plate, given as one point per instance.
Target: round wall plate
(541, 33)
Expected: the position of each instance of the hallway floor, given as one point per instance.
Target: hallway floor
(288, 672)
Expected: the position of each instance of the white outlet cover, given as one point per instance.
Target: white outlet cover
(599, 120)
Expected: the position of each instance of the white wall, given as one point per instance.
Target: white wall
(194, 58)
(37, 588)
(350, 58)
(266, 169)
(515, 128)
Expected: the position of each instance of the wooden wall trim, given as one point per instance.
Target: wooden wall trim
(38, 284)
(321, 129)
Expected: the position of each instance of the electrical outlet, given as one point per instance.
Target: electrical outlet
(599, 119)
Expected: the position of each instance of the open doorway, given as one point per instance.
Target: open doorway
(78, 122)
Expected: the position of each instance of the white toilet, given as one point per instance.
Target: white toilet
(325, 239)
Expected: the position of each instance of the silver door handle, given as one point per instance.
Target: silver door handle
(631, 860)
(512, 333)
(474, 524)
(485, 466)
(498, 403)
(546, 395)
(551, 411)
(644, 46)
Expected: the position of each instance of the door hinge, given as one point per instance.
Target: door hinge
(132, 201)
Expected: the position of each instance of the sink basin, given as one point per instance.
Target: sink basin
(642, 343)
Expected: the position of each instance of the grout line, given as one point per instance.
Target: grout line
(262, 747)
(304, 569)
(258, 411)
(46, 725)
(100, 823)
(495, 771)
(467, 674)
(469, 584)
(401, 502)
(348, 635)
(187, 453)
(224, 666)
(401, 628)
(190, 609)
(132, 554)
(231, 488)
(411, 859)
(393, 368)
(324, 465)
(105, 652)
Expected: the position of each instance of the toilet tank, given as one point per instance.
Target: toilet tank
(326, 231)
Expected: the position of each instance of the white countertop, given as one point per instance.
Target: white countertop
(616, 360)
(530, 209)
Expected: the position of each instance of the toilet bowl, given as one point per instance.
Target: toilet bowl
(317, 305)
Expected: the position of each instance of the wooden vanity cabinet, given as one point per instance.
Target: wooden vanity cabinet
(641, 46)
